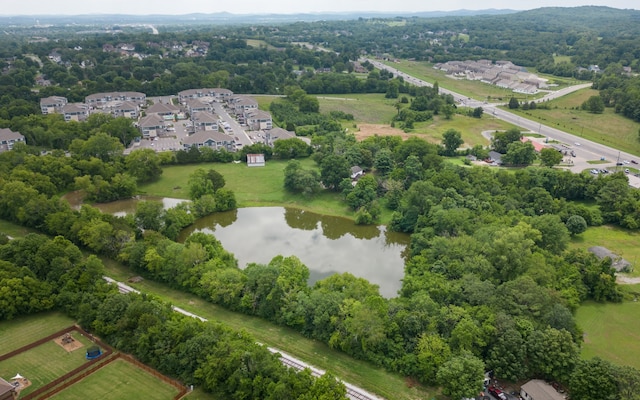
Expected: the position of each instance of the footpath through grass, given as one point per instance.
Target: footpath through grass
(359, 373)
(119, 380)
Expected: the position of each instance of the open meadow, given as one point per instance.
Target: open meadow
(253, 187)
(608, 128)
(119, 380)
(611, 331)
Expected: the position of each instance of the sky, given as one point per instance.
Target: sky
(142, 7)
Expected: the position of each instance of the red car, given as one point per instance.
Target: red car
(497, 393)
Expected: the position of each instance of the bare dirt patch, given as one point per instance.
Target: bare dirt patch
(367, 130)
(627, 280)
(68, 342)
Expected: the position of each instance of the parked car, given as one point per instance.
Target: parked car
(497, 393)
(634, 162)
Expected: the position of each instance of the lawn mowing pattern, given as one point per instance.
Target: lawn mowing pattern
(24, 330)
(44, 363)
(611, 331)
(119, 380)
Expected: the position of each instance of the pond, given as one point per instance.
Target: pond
(325, 244)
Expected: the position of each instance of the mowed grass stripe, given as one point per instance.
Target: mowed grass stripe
(119, 380)
(24, 330)
(44, 363)
(611, 331)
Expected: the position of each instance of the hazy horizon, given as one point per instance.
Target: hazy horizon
(165, 7)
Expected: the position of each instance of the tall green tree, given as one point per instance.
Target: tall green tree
(451, 139)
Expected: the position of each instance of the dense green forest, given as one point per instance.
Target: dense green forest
(489, 282)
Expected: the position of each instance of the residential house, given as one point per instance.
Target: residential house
(163, 110)
(195, 106)
(277, 133)
(212, 139)
(537, 389)
(222, 95)
(8, 138)
(152, 126)
(258, 120)
(205, 121)
(356, 172)
(100, 100)
(75, 112)
(127, 109)
(7, 391)
(186, 95)
(255, 160)
(618, 263)
(52, 104)
(241, 105)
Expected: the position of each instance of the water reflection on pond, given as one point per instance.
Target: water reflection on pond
(324, 244)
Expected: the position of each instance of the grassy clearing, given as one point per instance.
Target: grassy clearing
(359, 373)
(119, 380)
(611, 331)
(45, 363)
(607, 128)
(253, 187)
(470, 128)
(24, 330)
(371, 108)
(14, 230)
(623, 242)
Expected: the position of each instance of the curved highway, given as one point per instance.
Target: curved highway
(585, 150)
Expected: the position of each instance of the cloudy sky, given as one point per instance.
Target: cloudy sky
(74, 7)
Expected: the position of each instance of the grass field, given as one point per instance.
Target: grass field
(611, 331)
(607, 128)
(252, 187)
(119, 380)
(359, 373)
(14, 230)
(44, 363)
(623, 242)
(24, 330)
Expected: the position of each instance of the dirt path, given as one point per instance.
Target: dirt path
(627, 280)
(367, 130)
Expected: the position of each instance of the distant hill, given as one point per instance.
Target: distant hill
(228, 18)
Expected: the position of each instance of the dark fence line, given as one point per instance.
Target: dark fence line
(182, 389)
(71, 378)
(37, 343)
(87, 368)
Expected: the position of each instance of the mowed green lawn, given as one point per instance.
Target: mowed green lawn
(253, 187)
(611, 331)
(119, 380)
(24, 330)
(44, 363)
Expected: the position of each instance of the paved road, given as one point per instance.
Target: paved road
(353, 392)
(585, 150)
(236, 130)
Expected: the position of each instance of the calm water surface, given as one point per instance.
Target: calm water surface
(326, 245)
